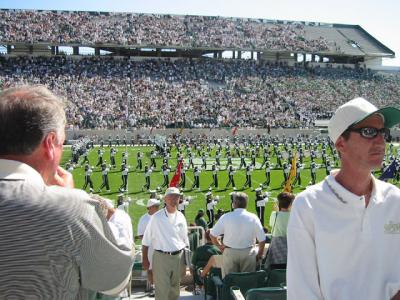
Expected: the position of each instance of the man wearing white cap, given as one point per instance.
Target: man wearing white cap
(152, 207)
(344, 233)
(168, 235)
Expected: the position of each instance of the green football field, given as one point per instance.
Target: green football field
(136, 180)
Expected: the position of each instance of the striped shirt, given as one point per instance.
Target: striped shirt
(55, 242)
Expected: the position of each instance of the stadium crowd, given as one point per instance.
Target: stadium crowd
(111, 93)
(88, 28)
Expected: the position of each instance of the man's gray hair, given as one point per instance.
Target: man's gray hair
(240, 199)
(27, 115)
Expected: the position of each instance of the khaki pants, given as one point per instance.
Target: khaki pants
(166, 274)
(239, 260)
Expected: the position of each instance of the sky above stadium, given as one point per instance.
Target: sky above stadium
(379, 18)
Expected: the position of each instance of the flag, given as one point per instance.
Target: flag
(180, 130)
(390, 171)
(177, 176)
(235, 130)
(292, 175)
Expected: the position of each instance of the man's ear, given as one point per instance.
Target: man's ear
(340, 143)
(48, 144)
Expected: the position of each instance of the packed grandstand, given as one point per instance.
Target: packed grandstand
(121, 90)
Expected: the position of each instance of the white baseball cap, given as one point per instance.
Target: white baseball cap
(153, 202)
(357, 110)
(172, 191)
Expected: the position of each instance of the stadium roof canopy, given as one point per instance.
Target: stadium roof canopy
(128, 33)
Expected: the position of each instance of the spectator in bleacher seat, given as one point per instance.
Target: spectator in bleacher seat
(152, 207)
(202, 255)
(167, 233)
(199, 220)
(202, 93)
(62, 233)
(241, 229)
(343, 233)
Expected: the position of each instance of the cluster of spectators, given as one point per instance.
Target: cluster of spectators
(115, 93)
(89, 28)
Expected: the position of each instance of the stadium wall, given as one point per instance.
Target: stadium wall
(219, 133)
(144, 135)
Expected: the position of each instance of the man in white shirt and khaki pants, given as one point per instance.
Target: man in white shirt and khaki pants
(241, 229)
(167, 233)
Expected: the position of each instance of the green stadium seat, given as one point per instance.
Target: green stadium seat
(243, 280)
(276, 278)
(266, 293)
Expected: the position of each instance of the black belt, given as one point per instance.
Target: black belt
(170, 253)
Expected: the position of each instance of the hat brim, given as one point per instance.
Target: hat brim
(173, 193)
(390, 114)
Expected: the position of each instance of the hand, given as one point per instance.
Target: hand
(62, 178)
(145, 264)
(397, 296)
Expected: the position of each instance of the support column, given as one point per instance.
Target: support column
(233, 54)
(252, 55)
(96, 51)
(215, 55)
(239, 54)
(75, 50)
(9, 49)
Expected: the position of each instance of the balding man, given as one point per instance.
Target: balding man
(241, 229)
(55, 241)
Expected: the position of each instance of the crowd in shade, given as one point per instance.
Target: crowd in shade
(89, 28)
(113, 93)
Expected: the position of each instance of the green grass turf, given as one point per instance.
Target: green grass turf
(136, 180)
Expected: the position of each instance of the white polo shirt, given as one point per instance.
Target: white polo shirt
(240, 229)
(166, 232)
(342, 250)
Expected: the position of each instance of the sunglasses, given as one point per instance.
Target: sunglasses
(371, 132)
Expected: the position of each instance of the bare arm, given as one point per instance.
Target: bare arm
(217, 243)
(145, 257)
(260, 253)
